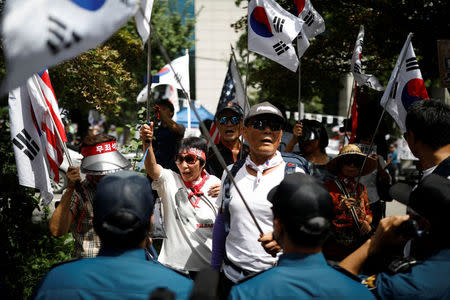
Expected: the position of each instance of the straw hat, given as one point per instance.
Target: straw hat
(351, 150)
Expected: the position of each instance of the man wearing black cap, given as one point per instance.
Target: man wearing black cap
(426, 275)
(263, 169)
(302, 212)
(123, 207)
(228, 119)
(75, 210)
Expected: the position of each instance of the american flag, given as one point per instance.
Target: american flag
(232, 90)
(48, 119)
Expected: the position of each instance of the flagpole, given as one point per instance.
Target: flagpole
(206, 131)
(299, 90)
(402, 59)
(63, 144)
(149, 70)
(350, 103)
(241, 137)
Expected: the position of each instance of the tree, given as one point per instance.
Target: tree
(387, 23)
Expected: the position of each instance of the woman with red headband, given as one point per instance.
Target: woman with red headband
(188, 201)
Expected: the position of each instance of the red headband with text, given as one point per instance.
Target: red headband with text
(99, 149)
(195, 151)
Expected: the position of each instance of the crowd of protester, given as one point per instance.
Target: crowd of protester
(271, 225)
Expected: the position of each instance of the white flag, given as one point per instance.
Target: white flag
(27, 140)
(356, 68)
(171, 94)
(314, 23)
(405, 88)
(142, 18)
(41, 33)
(271, 30)
(167, 76)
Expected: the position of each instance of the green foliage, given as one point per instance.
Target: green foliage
(28, 250)
(387, 24)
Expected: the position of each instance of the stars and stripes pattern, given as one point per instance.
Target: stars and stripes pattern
(232, 90)
(48, 119)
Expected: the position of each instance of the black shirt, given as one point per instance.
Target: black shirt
(213, 166)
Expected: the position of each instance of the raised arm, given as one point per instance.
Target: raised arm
(62, 216)
(151, 166)
(296, 132)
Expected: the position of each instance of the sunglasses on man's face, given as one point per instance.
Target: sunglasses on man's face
(262, 124)
(190, 159)
(224, 120)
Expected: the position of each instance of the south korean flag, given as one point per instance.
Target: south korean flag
(405, 88)
(41, 33)
(271, 30)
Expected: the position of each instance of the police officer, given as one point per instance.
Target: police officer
(123, 207)
(423, 275)
(303, 210)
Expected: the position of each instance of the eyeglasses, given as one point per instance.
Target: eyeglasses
(356, 161)
(224, 120)
(190, 159)
(262, 124)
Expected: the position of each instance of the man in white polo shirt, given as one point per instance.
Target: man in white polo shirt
(263, 169)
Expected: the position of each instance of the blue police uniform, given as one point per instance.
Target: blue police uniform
(301, 276)
(428, 280)
(113, 274)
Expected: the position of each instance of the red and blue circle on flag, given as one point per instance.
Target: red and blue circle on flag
(163, 71)
(414, 90)
(299, 5)
(260, 22)
(91, 5)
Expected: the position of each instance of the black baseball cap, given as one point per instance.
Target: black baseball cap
(124, 191)
(264, 108)
(430, 199)
(233, 106)
(300, 198)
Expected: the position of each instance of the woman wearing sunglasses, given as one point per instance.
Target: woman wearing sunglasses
(188, 201)
(351, 225)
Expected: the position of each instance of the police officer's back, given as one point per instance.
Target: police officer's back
(123, 206)
(303, 211)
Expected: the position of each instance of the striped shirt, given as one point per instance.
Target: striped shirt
(87, 242)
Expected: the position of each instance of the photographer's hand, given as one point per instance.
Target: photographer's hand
(296, 132)
(386, 234)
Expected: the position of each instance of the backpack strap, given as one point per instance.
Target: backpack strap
(293, 161)
(225, 206)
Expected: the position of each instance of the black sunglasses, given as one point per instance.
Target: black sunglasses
(356, 161)
(224, 120)
(190, 159)
(262, 124)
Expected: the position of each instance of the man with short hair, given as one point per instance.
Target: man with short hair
(263, 169)
(302, 216)
(75, 210)
(167, 135)
(428, 135)
(228, 119)
(123, 207)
